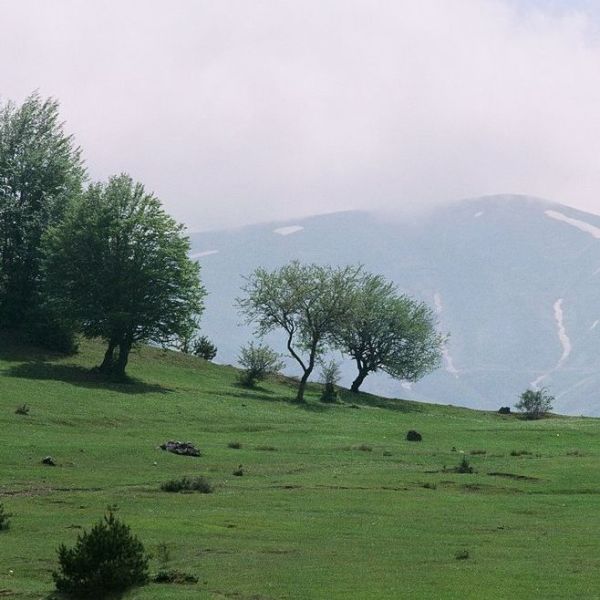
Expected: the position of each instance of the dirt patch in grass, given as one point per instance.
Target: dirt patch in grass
(513, 476)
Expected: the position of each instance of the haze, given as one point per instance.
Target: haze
(235, 112)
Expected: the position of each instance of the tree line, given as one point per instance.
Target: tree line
(104, 259)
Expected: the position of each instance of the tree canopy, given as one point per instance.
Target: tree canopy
(390, 332)
(308, 302)
(41, 172)
(119, 265)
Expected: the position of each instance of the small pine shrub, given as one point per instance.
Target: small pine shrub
(204, 348)
(187, 484)
(22, 409)
(464, 466)
(239, 472)
(4, 520)
(107, 560)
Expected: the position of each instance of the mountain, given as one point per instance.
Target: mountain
(515, 281)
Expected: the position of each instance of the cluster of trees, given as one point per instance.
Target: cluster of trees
(321, 308)
(102, 259)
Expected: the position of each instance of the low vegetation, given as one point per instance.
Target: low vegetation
(188, 484)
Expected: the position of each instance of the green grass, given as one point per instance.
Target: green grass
(315, 517)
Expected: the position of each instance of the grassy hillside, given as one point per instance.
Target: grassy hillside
(334, 503)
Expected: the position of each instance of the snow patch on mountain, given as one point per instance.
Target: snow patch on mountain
(563, 338)
(288, 230)
(448, 360)
(581, 225)
(204, 253)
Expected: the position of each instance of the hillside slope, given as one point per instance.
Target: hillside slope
(333, 503)
(515, 281)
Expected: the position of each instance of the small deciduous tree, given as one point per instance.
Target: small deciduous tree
(390, 332)
(108, 559)
(258, 361)
(330, 375)
(119, 265)
(308, 302)
(535, 403)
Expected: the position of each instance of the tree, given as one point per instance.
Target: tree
(108, 559)
(535, 403)
(40, 173)
(390, 332)
(307, 301)
(119, 265)
(258, 361)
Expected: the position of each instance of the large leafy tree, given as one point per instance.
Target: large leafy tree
(307, 302)
(119, 265)
(40, 173)
(390, 332)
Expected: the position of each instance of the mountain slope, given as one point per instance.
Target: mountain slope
(515, 280)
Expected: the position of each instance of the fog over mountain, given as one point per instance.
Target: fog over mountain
(235, 112)
(514, 280)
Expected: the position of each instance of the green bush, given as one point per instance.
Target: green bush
(258, 361)
(108, 559)
(204, 348)
(535, 403)
(187, 484)
(330, 374)
(4, 520)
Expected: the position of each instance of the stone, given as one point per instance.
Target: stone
(181, 448)
(414, 436)
(48, 460)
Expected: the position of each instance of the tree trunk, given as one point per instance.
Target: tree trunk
(107, 363)
(302, 386)
(362, 373)
(119, 367)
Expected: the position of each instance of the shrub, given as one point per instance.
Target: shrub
(267, 448)
(258, 361)
(504, 410)
(22, 409)
(4, 520)
(204, 348)
(187, 484)
(520, 453)
(174, 576)
(234, 445)
(535, 403)
(365, 448)
(239, 472)
(330, 374)
(462, 555)
(477, 451)
(108, 559)
(414, 436)
(464, 466)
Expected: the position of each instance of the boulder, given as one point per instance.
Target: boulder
(182, 448)
(414, 436)
(48, 460)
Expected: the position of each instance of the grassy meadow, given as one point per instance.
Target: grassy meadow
(334, 503)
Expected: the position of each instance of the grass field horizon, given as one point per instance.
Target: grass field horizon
(333, 501)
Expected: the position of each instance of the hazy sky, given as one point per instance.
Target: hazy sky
(242, 111)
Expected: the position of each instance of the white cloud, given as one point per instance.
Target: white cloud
(238, 111)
